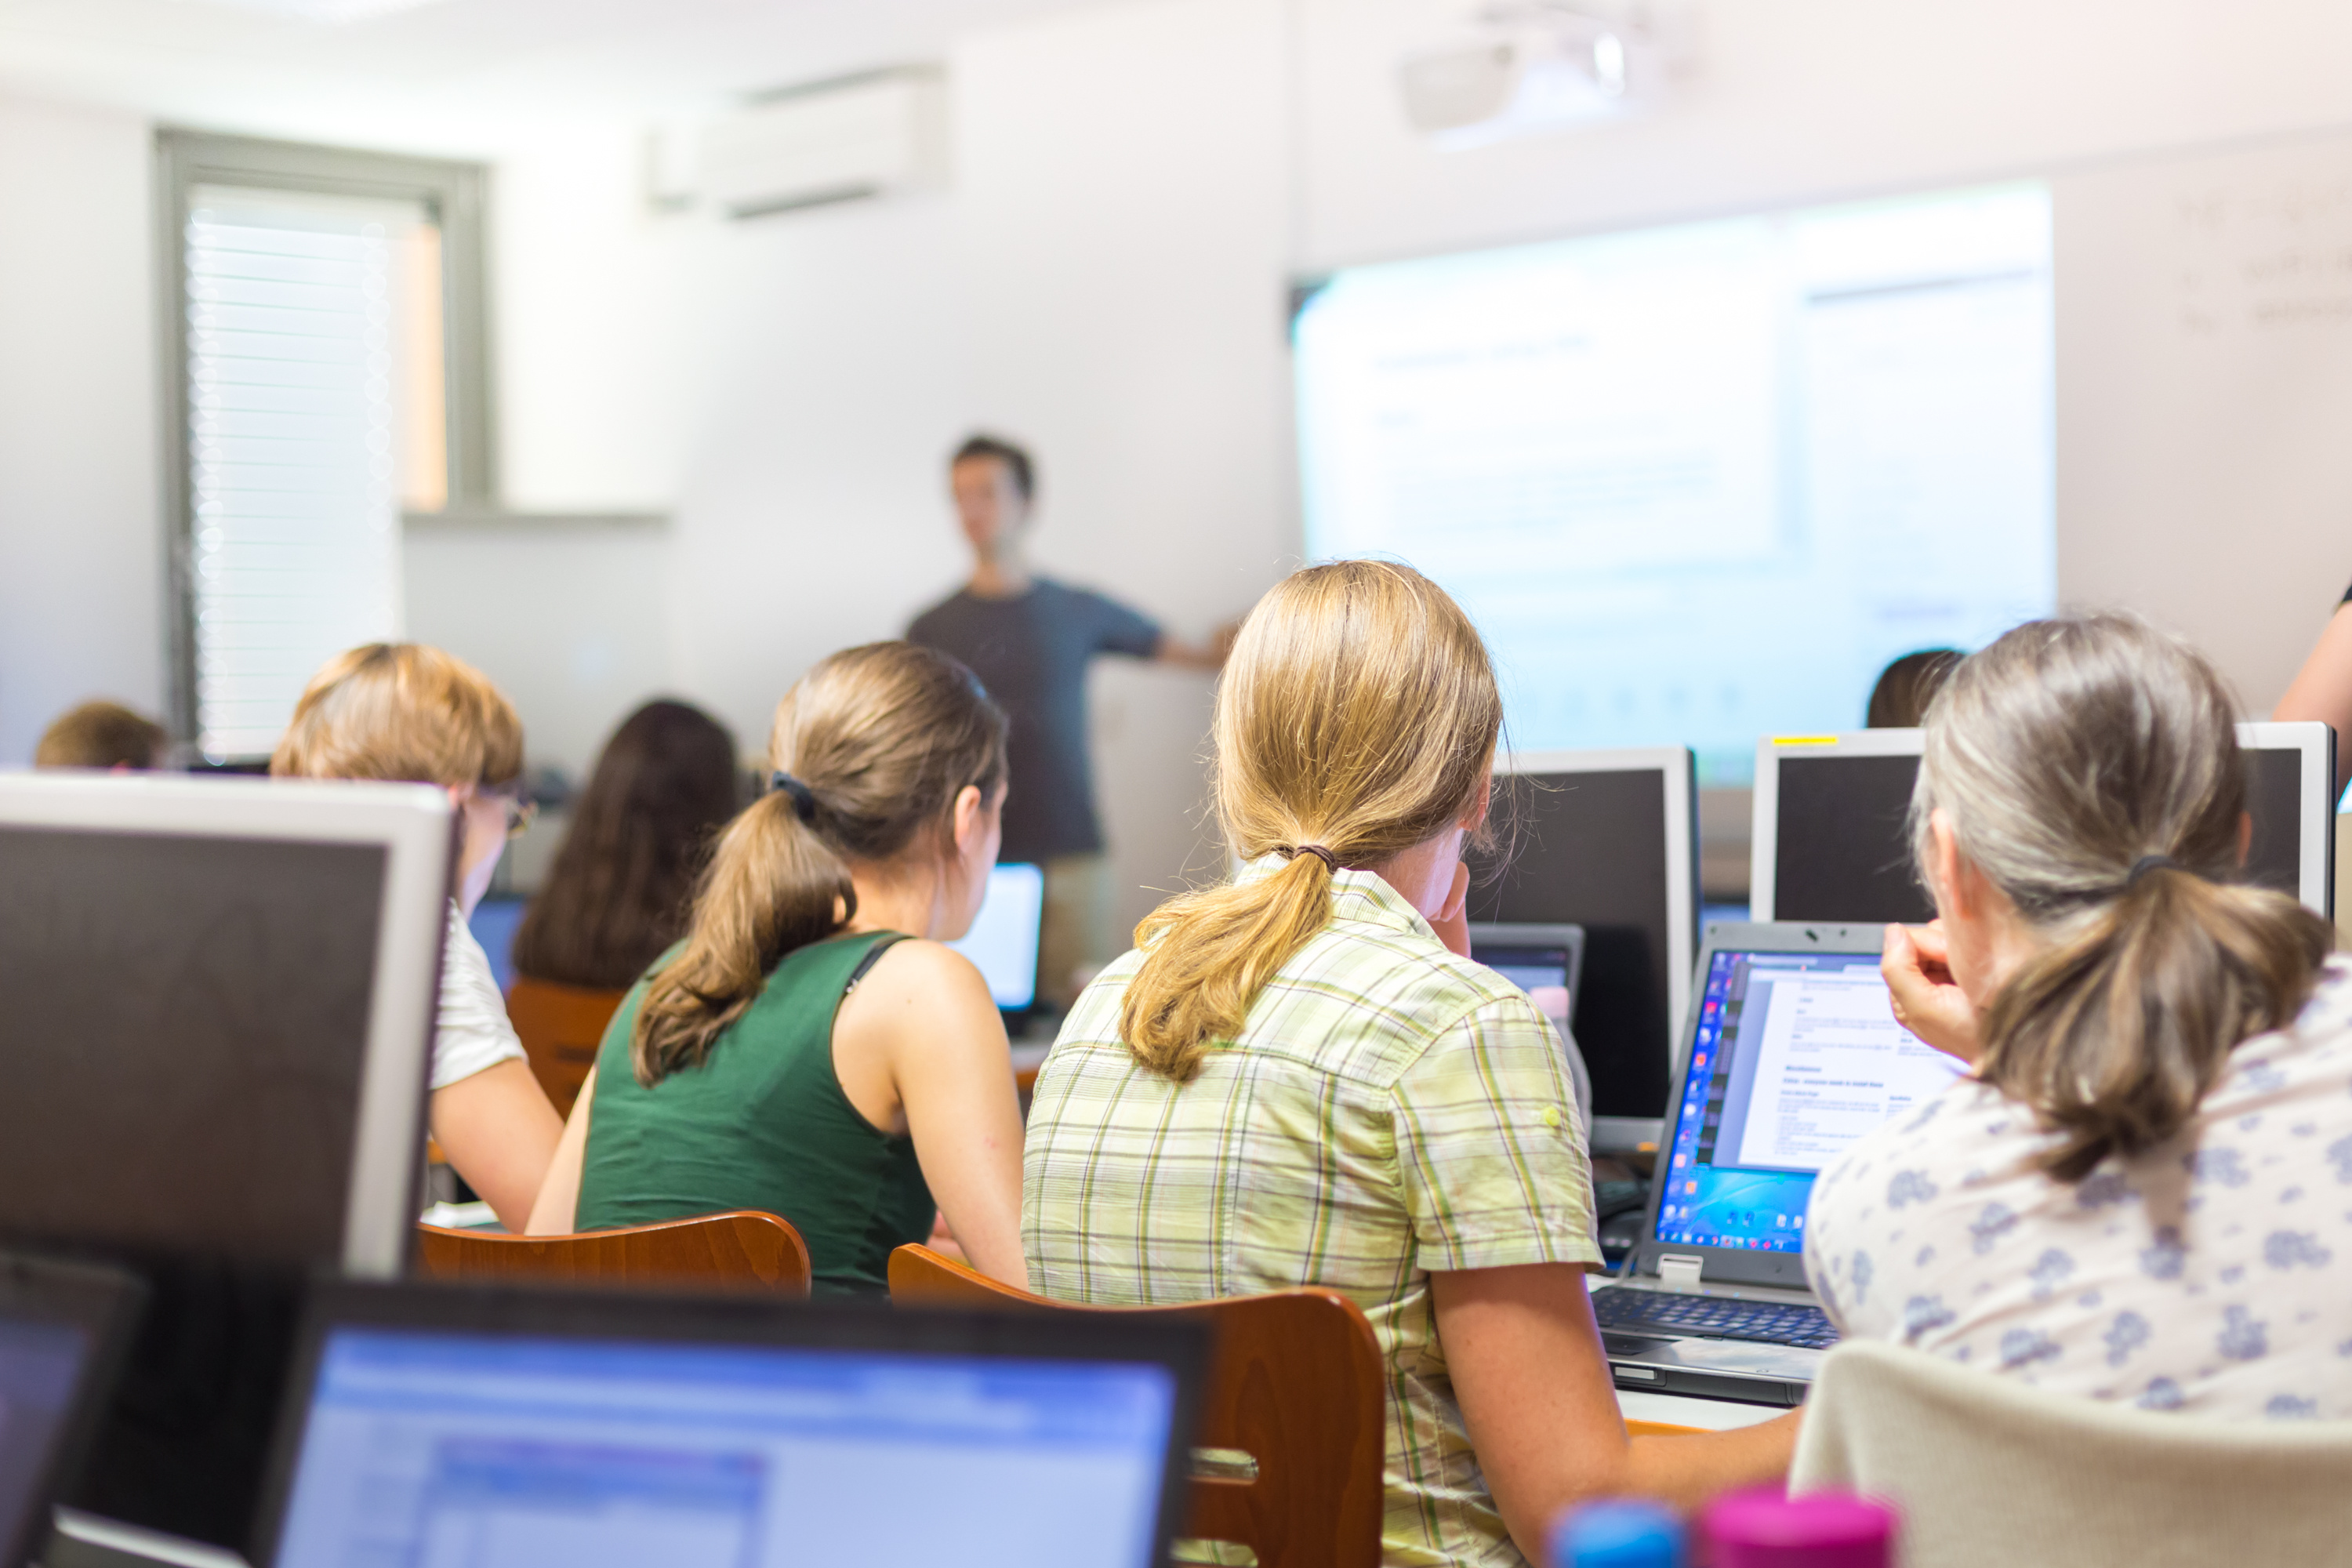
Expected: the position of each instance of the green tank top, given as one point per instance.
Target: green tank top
(761, 1124)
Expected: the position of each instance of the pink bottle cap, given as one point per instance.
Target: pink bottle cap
(1822, 1529)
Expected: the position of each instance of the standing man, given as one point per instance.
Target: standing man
(1030, 639)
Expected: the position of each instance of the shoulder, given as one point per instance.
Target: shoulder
(1386, 1000)
(939, 618)
(1926, 1156)
(915, 979)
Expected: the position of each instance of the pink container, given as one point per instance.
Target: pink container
(1822, 1529)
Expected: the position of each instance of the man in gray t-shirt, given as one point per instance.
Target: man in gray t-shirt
(1030, 639)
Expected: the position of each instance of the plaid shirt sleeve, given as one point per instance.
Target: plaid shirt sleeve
(1492, 1157)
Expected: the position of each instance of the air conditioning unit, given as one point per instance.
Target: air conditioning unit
(839, 141)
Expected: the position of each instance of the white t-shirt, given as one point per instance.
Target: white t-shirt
(470, 1033)
(2214, 1275)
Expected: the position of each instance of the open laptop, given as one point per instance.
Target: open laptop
(510, 1429)
(1790, 1053)
(1002, 942)
(63, 1331)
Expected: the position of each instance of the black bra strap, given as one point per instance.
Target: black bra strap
(873, 956)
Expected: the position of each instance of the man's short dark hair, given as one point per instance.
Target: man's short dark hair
(1015, 460)
(103, 736)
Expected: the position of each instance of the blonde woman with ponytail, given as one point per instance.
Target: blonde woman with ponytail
(2142, 1192)
(811, 1048)
(1294, 1081)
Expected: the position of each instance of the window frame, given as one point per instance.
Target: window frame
(454, 192)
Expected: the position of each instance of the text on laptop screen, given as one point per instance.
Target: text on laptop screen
(500, 1452)
(1796, 1056)
(1002, 941)
(39, 1366)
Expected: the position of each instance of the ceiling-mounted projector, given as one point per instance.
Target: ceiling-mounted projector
(1538, 64)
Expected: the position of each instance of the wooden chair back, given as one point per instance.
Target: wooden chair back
(741, 1250)
(561, 1027)
(1294, 1395)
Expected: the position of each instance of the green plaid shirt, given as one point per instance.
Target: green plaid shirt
(1389, 1108)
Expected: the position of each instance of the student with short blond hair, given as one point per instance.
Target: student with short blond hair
(1295, 1081)
(103, 736)
(404, 711)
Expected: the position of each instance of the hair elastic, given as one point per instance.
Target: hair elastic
(1292, 851)
(803, 798)
(2147, 863)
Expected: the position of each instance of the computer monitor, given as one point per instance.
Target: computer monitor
(1002, 941)
(62, 1330)
(1604, 839)
(221, 996)
(430, 1425)
(1831, 841)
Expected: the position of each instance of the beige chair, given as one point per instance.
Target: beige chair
(1986, 1471)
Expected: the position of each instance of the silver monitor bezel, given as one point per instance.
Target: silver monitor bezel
(416, 826)
(2315, 873)
(1679, 766)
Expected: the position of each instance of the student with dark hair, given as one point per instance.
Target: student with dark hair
(1030, 639)
(2136, 1194)
(812, 1049)
(103, 736)
(617, 896)
(1899, 701)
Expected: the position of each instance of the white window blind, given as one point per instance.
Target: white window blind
(300, 321)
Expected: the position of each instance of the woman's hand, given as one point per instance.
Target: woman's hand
(1927, 1001)
(1451, 923)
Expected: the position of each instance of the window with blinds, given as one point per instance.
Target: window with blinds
(318, 318)
(307, 327)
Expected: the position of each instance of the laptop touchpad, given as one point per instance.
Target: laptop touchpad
(1631, 1344)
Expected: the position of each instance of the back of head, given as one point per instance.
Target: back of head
(102, 735)
(1358, 715)
(2089, 767)
(1899, 701)
(873, 745)
(617, 893)
(402, 711)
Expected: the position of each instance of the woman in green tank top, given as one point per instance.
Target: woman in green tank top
(811, 1048)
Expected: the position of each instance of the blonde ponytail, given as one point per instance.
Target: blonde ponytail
(2090, 768)
(871, 749)
(1357, 718)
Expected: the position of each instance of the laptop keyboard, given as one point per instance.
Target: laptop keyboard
(1716, 1317)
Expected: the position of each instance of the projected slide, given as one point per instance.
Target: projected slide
(1698, 484)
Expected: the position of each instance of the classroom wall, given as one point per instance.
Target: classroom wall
(80, 559)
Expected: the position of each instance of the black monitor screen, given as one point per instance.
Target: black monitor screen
(185, 1027)
(40, 1366)
(1840, 851)
(1590, 849)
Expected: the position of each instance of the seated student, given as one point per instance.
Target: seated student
(617, 898)
(811, 1048)
(1907, 686)
(103, 736)
(1294, 1081)
(405, 712)
(2140, 1193)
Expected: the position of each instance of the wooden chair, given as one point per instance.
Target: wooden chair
(741, 1250)
(1295, 1396)
(561, 1027)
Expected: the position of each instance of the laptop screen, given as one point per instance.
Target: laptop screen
(500, 1450)
(40, 1367)
(1002, 941)
(1795, 1056)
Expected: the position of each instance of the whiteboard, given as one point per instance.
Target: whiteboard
(2204, 398)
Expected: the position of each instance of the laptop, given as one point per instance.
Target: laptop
(1547, 962)
(63, 1331)
(1788, 1055)
(510, 1429)
(1003, 941)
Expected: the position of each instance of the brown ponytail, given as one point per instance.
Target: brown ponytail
(1357, 718)
(876, 742)
(2090, 768)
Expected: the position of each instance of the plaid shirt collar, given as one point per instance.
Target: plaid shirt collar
(1358, 898)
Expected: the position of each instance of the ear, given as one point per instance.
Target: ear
(2245, 835)
(1476, 818)
(967, 815)
(1947, 884)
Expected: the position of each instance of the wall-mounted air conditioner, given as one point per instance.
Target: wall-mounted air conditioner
(838, 141)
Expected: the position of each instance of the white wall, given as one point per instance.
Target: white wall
(81, 546)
